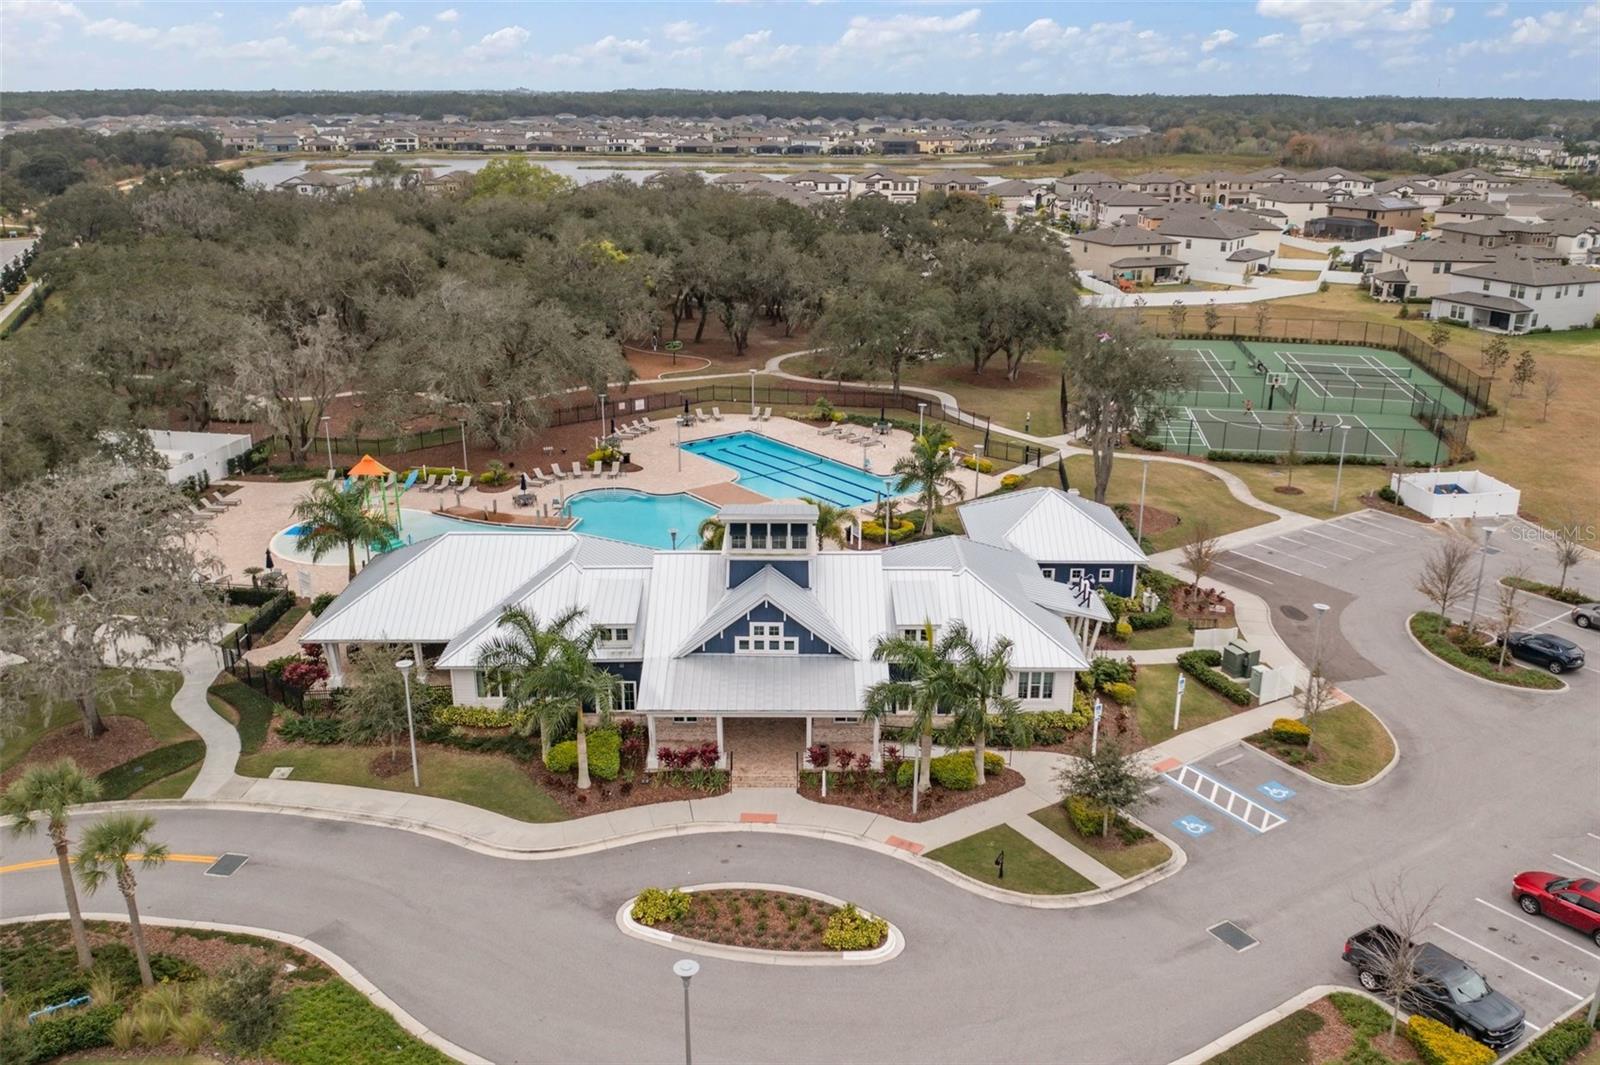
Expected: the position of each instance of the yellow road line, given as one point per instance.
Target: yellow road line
(40, 863)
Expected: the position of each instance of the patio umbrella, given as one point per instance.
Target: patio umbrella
(685, 406)
(269, 559)
(524, 478)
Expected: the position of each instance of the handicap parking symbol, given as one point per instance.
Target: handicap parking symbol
(1275, 791)
(1192, 826)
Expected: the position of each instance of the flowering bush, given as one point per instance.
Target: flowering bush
(1011, 482)
(706, 754)
(1290, 730)
(303, 674)
(982, 465)
(850, 929)
(655, 905)
(1437, 1044)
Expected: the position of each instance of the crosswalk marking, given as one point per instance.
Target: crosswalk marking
(1247, 812)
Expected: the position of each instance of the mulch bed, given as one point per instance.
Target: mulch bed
(1329, 1044)
(125, 739)
(1372, 502)
(1288, 490)
(1156, 520)
(209, 951)
(605, 796)
(765, 920)
(891, 801)
(1119, 724)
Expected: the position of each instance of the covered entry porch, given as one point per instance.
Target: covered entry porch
(762, 750)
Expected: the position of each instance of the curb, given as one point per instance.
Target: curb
(478, 846)
(1369, 782)
(348, 972)
(1271, 1017)
(1565, 687)
(891, 947)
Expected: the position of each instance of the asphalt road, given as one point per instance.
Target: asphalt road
(521, 961)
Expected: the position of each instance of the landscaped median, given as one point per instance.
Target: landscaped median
(1344, 745)
(1468, 652)
(766, 923)
(1127, 850)
(1028, 868)
(1342, 1027)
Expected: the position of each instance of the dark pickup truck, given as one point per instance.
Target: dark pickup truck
(1448, 989)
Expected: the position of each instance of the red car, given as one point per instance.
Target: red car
(1573, 901)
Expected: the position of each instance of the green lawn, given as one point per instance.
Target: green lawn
(1316, 484)
(1283, 1043)
(1348, 744)
(149, 699)
(172, 787)
(1184, 489)
(1124, 860)
(488, 781)
(1174, 635)
(1029, 868)
(239, 613)
(1158, 687)
(249, 710)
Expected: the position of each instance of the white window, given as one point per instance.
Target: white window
(685, 720)
(1437, 267)
(1047, 572)
(767, 638)
(1076, 573)
(919, 632)
(1036, 685)
(625, 697)
(846, 720)
(615, 636)
(490, 685)
(1106, 574)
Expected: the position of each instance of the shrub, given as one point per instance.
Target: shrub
(1086, 815)
(1200, 665)
(121, 781)
(302, 728)
(1291, 730)
(1159, 618)
(495, 475)
(321, 603)
(1011, 481)
(65, 1033)
(605, 755)
(153, 1024)
(1559, 1044)
(657, 905)
(604, 454)
(1104, 670)
(981, 465)
(850, 929)
(1121, 693)
(1124, 629)
(1570, 596)
(873, 530)
(333, 1022)
(124, 1033)
(1389, 495)
(1437, 1044)
(246, 1006)
(953, 771)
(1431, 631)
(482, 717)
(191, 1031)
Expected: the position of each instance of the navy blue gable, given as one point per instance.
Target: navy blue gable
(723, 642)
(1119, 582)
(621, 670)
(797, 570)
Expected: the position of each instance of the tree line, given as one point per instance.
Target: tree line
(1485, 116)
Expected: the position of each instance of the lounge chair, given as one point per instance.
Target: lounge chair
(614, 471)
(536, 476)
(597, 470)
(204, 511)
(560, 474)
(442, 483)
(465, 484)
(427, 486)
(766, 414)
(716, 414)
(700, 415)
(577, 471)
(649, 426)
(828, 430)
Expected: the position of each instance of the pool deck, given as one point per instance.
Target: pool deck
(239, 537)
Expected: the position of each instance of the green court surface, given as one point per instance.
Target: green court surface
(1269, 396)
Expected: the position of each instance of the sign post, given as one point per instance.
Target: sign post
(1177, 704)
(1094, 736)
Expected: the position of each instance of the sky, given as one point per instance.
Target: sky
(1545, 48)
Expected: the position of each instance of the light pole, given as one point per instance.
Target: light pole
(752, 392)
(1477, 588)
(679, 448)
(920, 408)
(327, 435)
(600, 403)
(674, 534)
(464, 470)
(1316, 642)
(1144, 478)
(685, 969)
(977, 460)
(1338, 478)
(404, 666)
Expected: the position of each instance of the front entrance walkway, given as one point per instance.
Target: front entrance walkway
(765, 751)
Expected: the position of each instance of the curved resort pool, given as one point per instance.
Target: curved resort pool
(615, 513)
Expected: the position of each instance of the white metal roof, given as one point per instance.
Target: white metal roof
(768, 512)
(1049, 525)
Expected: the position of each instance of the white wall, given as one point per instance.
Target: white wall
(1485, 497)
(208, 452)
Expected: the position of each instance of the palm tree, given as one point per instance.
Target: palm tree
(984, 673)
(711, 533)
(832, 523)
(549, 670)
(923, 681)
(930, 469)
(332, 517)
(108, 850)
(47, 793)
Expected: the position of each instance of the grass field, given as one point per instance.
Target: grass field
(1029, 868)
(1158, 688)
(149, 700)
(1316, 484)
(1124, 860)
(486, 781)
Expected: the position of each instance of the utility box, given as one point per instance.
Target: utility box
(1239, 658)
(1269, 685)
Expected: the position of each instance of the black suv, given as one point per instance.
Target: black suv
(1555, 653)
(1448, 989)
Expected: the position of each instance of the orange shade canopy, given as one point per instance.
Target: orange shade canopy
(369, 467)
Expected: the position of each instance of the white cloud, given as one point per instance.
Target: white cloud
(1576, 27)
(757, 50)
(345, 22)
(268, 50)
(449, 14)
(1272, 40)
(1217, 39)
(40, 11)
(1212, 65)
(683, 31)
(1327, 19)
(115, 29)
(1497, 11)
(902, 33)
(612, 49)
(500, 43)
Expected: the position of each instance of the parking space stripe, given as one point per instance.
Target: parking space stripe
(1270, 565)
(1397, 526)
(1242, 573)
(1358, 532)
(1574, 864)
(1591, 835)
(1341, 543)
(1353, 520)
(1536, 928)
(1508, 961)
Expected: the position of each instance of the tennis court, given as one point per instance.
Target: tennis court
(1258, 396)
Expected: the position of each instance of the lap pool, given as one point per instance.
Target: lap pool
(782, 471)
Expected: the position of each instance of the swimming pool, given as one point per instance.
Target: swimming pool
(415, 526)
(639, 517)
(781, 471)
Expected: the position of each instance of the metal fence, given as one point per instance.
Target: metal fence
(1471, 386)
(1436, 445)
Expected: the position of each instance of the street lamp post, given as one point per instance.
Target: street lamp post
(920, 408)
(674, 534)
(752, 392)
(1477, 589)
(680, 445)
(1316, 642)
(977, 460)
(1338, 478)
(1144, 478)
(327, 435)
(600, 402)
(685, 969)
(463, 447)
(404, 665)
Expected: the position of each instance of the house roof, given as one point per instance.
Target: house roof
(806, 512)
(1290, 193)
(320, 178)
(1089, 177)
(1011, 188)
(1520, 271)
(1485, 301)
(1122, 236)
(1049, 525)
(769, 586)
(1428, 251)
(1134, 262)
(815, 176)
(1119, 197)
(1391, 277)
(1248, 255)
(1480, 208)
(1381, 203)
(1204, 227)
(1334, 173)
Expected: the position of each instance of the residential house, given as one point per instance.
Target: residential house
(1425, 190)
(1106, 205)
(1129, 253)
(279, 142)
(953, 181)
(769, 630)
(317, 183)
(891, 185)
(1216, 249)
(1366, 217)
(1018, 197)
(1575, 234)
(1334, 179)
(1221, 186)
(827, 186)
(1298, 203)
(1169, 187)
(1084, 181)
(1072, 539)
(1516, 295)
(1468, 211)
(1496, 233)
